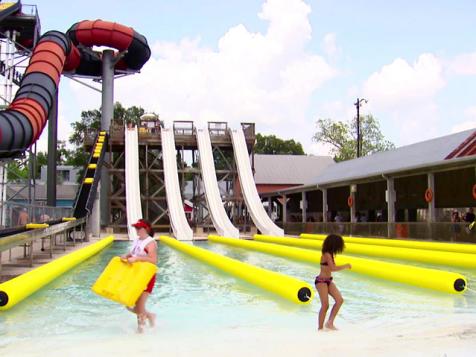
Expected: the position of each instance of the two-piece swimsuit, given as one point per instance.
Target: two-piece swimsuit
(320, 280)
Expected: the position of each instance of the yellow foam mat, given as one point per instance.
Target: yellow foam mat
(123, 282)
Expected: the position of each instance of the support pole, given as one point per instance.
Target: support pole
(285, 203)
(324, 204)
(304, 207)
(270, 206)
(352, 208)
(431, 205)
(107, 113)
(391, 198)
(52, 153)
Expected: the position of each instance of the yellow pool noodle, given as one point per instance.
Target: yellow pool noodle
(422, 277)
(288, 287)
(416, 255)
(445, 247)
(36, 225)
(17, 289)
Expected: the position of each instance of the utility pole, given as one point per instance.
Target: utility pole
(358, 104)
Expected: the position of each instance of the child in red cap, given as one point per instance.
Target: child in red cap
(144, 249)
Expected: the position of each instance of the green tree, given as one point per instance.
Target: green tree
(272, 145)
(342, 136)
(91, 121)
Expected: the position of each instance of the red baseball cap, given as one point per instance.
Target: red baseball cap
(142, 224)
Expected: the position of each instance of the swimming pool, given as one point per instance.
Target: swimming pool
(202, 311)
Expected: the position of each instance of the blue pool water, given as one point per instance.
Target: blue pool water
(193, 300)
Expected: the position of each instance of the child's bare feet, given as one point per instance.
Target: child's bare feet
(151, 317)
(330, 326)
(141, 323)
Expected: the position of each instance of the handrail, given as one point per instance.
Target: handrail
(29, 236)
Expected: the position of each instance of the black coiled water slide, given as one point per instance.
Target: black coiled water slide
(22, 123)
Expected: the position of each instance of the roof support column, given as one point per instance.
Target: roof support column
(285, 203)
(304, 207)
(431, 204)
(324, 204)
(270, 206)
(352, 190)
(390, 196)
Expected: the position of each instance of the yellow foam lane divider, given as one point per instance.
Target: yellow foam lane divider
(89, 180)
(95, 155)
(445, 247)
(17, 289)
(123, 282)
(92, 166)
(68, 219)
(102, 133)
(101, 139)
(285, 286)
(423, 277)
(462, 260)
(36, 225)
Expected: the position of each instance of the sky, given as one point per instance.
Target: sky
(283, 64)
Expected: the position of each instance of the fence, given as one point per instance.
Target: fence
(439, 231)
(18, 214)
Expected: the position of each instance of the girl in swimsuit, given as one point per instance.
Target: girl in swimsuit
(333, 244)
(144, 249)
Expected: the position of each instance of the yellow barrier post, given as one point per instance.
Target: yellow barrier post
(288, 287)
(416, 255)
(426, 278)
(440, 246)
(17, 289)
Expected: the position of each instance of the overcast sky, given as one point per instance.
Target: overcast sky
(284, 63)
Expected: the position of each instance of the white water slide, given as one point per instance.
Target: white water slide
(218, 214)
(178, 220)
(248, 186)
(133, 201)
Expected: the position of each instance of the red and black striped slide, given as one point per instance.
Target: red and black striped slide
(23, 121)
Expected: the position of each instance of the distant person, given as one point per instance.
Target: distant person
(469, 217)
(339, 219)
(23, 217)
(44, 218)
(333, 245)
(144, 249)
(455, 227)
(274, 216)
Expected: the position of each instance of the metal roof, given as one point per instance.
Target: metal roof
(410, 159)
(289, 169)
(425, 153)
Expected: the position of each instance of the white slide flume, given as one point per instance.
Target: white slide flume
(133, 200)
(217, 211)
(248, 187)
(178, 220)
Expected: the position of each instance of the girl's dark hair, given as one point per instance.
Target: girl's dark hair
(149, 230)
(333, 244)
